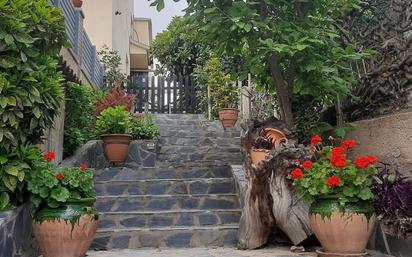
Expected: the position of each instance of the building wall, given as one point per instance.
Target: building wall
(98, 22)
(142, 31)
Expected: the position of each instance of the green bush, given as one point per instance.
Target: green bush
(113, 120)
(144, 128)
(31, 36)
(80, 100)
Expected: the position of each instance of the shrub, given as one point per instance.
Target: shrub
(80, 100)
(112, 61)
(115, 97)
(31, 36)
(113, 120)
(144, 128)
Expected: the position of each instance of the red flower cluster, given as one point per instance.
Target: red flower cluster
(316, 139)
(48, 156)
(363, 162)
(337, 158)
(296, 174)
(333, 181)
(307, 164)
(59, 176)
(83, 167)
(348, 144)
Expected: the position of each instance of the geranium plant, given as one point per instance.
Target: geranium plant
(51, 187)
(330, 173)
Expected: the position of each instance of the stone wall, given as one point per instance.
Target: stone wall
(388, 137)
(16, 238)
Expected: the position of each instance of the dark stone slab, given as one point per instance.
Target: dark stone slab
(179, 240)
(229, 218)
(121, 242)
(104, 205)
(198, 187)
(220, 187)
(207, 219)
(217, 204)
(156, 189)
(138, 221)
(161, 204)
(100, 243)
(230, 238)
(126, 205)
(185, 219)
(105, 223)
(161, 221)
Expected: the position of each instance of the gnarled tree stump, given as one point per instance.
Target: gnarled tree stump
(269, 202)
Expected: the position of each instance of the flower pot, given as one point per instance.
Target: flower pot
(116, 146)
(277, 136)
(228, 117)
(258, 155)
(341, 234)
(67, 231)
(77, 3)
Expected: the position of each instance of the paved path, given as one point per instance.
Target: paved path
(198, 252)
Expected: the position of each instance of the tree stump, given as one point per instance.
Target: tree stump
(269, 202)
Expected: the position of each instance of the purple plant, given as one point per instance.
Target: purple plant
(263, 143)
(393, 196)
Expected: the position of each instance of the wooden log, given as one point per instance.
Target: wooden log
(268, 199)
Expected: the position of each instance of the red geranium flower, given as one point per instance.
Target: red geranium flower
(348, 144)
(296, 174)
(48, 156)
(316, 139)
(312, 149)
(307, 164)
(83, 167)
(364, 162)
(337, 158)
(333, 181)
(372, 159)
(338, 151)
(59, 176)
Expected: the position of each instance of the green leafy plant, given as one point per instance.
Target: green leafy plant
(50, 187)
(144, 128)
(80, 100)
(31, 36)
(113, 120)
(112, 61)
(223, 93)
(332, 174)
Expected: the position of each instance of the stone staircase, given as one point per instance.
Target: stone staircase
(188, 199)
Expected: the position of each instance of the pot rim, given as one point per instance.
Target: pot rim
(260, 150)
(116, 135)
(229, 109)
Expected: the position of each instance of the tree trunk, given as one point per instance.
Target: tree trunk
(269, 199)
(282, 92)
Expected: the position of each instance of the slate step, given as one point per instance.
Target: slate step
(198, 133)
(203, 149)
(167, 187)
(217, 156)
(126, 203)
(182, 237)
(138, 219)
(185, 171)
(198, 141)
(175, 116)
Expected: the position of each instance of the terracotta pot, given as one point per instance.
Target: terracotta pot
(77, 3)
(277, 136)
(228, 117)
(258, 155)
(116, 146)
(342, 234)
(65, 232)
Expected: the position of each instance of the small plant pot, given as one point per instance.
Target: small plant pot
(342, 234)
(258, 155)
(77, 3)
(67, 231)
(116, 146)
(228, 117)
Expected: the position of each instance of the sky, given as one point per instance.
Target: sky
(160, 20)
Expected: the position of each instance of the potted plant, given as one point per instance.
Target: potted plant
(260, 149)
(340, 197)
(112, 125)
(393, 206)
(77, 3)
(64, 219)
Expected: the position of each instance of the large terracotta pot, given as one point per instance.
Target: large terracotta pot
(258, 155)
(277, 136)
(77, 3)
(67, 231)
(228, 117)
(342, 234)
(116, 146)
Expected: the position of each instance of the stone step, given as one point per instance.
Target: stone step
(202, 149)
(166, 186)
(199, 133)
(182, 237)
(126, 203)
(227, 158)
(124, 220)
(199, 141)
(185, 171)
(175, 116)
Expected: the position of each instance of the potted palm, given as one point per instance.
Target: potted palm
(64, 219)
(340, 197)
(113, 125)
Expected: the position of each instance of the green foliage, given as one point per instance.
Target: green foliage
(52, 187)
(112, 61)
(31, 36)
(113, 120)
(80, 100)
(223, 93)
(144, 128)
(179, 48)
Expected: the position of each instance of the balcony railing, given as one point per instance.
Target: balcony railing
(82, 49)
